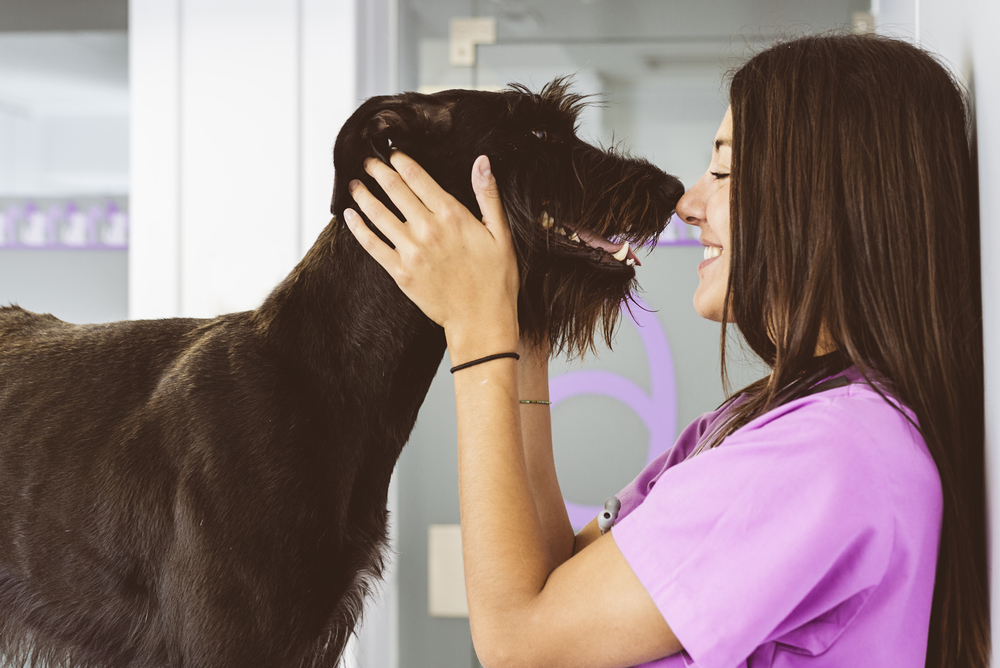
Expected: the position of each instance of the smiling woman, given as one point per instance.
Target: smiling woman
(838, 246)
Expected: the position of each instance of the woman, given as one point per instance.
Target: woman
(831, 514)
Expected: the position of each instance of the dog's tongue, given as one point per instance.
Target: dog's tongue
(595, 240)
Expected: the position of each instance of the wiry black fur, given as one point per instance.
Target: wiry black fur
(212, 493)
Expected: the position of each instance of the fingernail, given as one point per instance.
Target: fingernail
(484, 166)
(350, 216)
(353, 184)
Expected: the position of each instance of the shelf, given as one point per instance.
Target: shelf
(64, 224)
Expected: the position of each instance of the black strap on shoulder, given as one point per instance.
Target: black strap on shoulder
(821, 369)
(839, 381)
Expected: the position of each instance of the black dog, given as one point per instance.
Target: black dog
(212, 493)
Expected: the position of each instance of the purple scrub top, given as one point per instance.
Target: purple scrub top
(807, 538)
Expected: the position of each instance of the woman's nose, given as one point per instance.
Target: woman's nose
(691, 206)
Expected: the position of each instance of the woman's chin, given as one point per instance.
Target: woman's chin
(713, 314)
(708, 305)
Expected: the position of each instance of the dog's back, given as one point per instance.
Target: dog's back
(137, 511)
(66, 396)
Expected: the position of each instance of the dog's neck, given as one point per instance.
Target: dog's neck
(342, 319)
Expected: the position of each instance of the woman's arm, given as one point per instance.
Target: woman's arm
(589, 611)
(536, 437)
(603, 577)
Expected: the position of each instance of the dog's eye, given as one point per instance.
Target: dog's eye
(541, 134)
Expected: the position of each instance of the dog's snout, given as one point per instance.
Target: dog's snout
(672, 190)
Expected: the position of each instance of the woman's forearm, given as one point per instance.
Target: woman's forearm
(507, 559)
(536, 436)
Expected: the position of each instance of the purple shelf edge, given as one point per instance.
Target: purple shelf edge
(63, 247)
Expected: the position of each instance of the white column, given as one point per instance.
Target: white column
(239, 151)
(235, 108)
(329, 96)
(154, 162)
(986, 56)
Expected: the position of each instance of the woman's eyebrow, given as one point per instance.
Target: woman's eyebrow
(725, 141)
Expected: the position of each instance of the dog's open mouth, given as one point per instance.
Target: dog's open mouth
(617, 252)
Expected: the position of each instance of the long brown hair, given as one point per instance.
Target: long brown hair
(854, 219)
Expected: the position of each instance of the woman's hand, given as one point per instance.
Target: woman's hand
(462, 273)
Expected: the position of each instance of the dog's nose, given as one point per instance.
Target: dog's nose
(672, 190)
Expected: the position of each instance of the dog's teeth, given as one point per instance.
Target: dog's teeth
(561, 230)
(574, 237)
(546, 220)
(630, 262)
(622, 253)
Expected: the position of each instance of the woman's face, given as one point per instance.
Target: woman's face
(706, 205)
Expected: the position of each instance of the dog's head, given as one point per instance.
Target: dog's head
(570, 205)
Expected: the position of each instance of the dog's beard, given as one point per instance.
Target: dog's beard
(573, 287)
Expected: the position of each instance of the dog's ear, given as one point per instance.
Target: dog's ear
(377, 127)
(406, 117)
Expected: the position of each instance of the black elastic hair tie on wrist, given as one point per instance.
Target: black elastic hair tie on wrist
(488, 358)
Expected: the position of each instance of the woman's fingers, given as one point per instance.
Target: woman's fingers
(406, 199)
(387, 223)
(417, 180)
(460, 273)
(488, 196)
(385, 256)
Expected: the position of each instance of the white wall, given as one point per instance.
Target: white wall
(235, 109)
(964, 32)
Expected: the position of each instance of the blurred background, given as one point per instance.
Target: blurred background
(164, 158)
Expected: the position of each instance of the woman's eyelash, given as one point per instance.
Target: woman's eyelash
(720, 175)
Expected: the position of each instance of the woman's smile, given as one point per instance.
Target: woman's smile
(712, 253)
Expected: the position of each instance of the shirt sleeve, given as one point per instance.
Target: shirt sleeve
(782, 525)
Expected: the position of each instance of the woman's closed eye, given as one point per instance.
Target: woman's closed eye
(720, 175)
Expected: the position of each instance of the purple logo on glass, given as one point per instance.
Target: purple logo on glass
(657, 408)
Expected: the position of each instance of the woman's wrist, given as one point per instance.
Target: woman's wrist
(533, 370)
(479, 339)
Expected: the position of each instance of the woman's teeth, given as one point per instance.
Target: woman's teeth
(712, 251)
